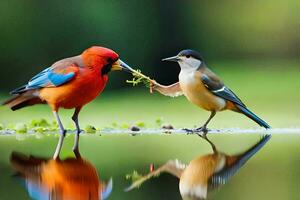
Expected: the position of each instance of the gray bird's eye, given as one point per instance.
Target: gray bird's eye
(187, 56)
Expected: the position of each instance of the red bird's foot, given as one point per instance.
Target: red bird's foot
(79, 131)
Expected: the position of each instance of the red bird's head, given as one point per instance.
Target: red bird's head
(103, 59)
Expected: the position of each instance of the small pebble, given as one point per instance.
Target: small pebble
(134, 128)
(90, 129)
(168, 127)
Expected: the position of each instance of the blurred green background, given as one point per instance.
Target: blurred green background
(34, 34)
(253, 45)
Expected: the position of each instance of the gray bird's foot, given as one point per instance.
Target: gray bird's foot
(188, 131)
(197, 131)
(202, 129)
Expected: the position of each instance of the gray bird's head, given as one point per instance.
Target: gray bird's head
(187, 59)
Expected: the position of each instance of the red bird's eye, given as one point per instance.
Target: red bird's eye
(110, 60)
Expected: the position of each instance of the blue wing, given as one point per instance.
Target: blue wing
(49, 78)
(46, 78)
(107, 190)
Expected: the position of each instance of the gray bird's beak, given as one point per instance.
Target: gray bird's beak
(173, 59)
(125, 67)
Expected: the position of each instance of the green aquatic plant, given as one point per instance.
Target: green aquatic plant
(39, 130)
(38, 123)
(114, 124)
(90, 129)
(140, 124)
(125, 126)
(21, 128)
(159, 121)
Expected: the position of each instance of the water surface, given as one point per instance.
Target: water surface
(272, 173)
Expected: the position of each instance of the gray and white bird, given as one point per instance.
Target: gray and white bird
(203, 88)
(204, 173)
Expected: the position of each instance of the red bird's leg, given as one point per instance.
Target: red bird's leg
(78, 130)
(62, 136)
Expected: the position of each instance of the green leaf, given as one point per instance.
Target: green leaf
(90, 129)
(21, 128)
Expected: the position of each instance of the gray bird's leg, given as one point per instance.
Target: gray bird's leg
(61, 138)
(202, 128)
(210, 142)
(78, 130)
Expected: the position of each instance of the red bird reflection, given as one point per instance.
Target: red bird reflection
(204, 173)
(69, 179)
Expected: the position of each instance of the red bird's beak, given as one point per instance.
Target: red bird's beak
(120, 65)
(125, 67)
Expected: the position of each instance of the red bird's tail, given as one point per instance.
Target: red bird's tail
(25, 99)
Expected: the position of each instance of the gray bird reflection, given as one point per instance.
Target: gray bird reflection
(204, 173)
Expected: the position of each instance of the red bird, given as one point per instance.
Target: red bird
(68, 179)
(69, 83)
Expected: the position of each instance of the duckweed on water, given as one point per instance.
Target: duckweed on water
(21, 128)
(125, 126)
(38, 123)
(43, 126)
(159, 121)
(90, 129)
(140, 124)
(114, 124)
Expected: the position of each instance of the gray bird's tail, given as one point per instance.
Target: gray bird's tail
(224, 175)
(254, 149)
(252, 116)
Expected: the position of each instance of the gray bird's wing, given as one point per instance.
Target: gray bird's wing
(215, 86)
(234, 163)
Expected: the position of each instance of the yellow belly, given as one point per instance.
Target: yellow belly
(196, 93)
(194, 179)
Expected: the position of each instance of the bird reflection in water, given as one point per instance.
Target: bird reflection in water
(204, 173)
(69, 179)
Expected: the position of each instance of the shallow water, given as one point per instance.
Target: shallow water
(272, 173)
